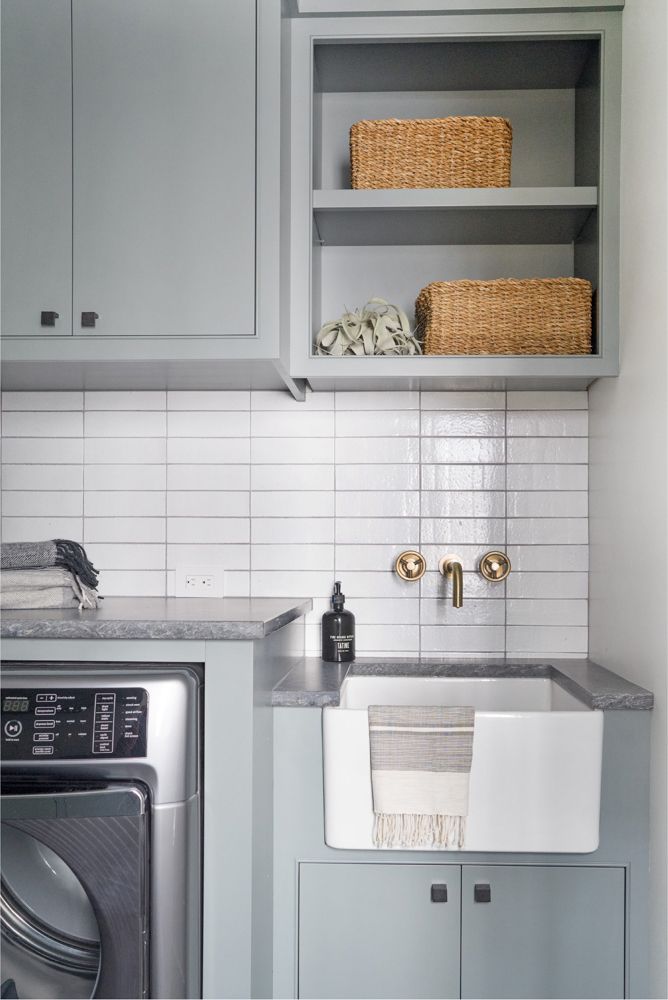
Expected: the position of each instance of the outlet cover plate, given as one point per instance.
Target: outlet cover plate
(199, 581)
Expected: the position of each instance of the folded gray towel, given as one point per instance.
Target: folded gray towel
(57, 552)
(53, 587)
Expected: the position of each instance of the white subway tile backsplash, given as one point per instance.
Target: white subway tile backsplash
(547, 423)
(548, 450)
(546, 611)
(271, 424)
(292, 503)
(291, 451)
(373, 503)
(458, 503)
(208, 424)
(124, 477)
(133, 400)
(38, 529)
(548, 531)
(377, 423)
(378, 477)
(468, 423)
(205, 530)
(357, 401)
(42, 451)
(547, 477)
(42, 477)
(467, 531)
(42, 423)
(377, 531)
(466, 450)
(463, 400)
(32, 401)
(209, 400)
(537, 400)
(124, 529)
(285, 497)
(123, 423)
(547, 584)
(542, 504)
(292, 477)
(208, 451)
(126, 556)
(207, 503)
(315, 557)
(124, 503)
(463, 477)
(298, 530)
(375, 451)
(553, 558)
(124, 451)
(33, 503)
(208, 477)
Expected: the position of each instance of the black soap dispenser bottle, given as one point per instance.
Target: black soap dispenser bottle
(338, 630)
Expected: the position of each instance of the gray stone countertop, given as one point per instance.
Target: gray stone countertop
(314, 683)
(159, 618)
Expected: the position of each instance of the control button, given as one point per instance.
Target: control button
(42, 751)
(100, 747)
(45, 711)
(13, 727)
(43, 737)
(45, 724)
(46, 697)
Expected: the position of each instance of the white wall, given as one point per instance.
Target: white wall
(628, 433)
(287, 497)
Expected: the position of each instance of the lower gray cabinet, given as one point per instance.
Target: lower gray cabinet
(489, 931)
(542, 932)
(378, 930)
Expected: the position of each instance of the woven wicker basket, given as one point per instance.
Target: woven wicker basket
(508, 316)
(467, 152)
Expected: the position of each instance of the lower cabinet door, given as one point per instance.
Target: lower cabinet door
(377, 930)
(542, 932)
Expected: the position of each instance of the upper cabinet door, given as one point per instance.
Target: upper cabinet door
(36, 167)
(164, 167)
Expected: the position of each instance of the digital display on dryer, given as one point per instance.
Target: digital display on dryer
(13, 704)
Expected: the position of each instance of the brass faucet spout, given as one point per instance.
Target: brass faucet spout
(451, 568)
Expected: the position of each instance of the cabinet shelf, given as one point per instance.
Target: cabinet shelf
(464, 216)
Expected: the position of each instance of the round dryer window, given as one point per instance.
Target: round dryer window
(50, 934)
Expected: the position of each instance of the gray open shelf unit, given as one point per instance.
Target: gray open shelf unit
(556, 77)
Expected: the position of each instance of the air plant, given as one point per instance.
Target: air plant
(377, 328)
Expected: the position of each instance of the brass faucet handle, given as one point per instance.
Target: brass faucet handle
(410, 565)
(495, 566)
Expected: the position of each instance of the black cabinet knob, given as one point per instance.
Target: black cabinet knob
(48, 318)
(88, 318)
(439, 893)
(482, 892)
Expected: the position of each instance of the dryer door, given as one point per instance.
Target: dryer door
(74, 915)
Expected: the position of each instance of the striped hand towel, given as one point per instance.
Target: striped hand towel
(420, 767)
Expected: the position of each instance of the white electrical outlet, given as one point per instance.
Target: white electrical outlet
(199, 581)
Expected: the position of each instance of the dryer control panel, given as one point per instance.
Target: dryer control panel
(73, 723)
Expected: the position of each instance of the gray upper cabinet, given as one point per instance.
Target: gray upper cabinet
(555, 74)
(164, 167)
(442, 6)
(36, 167)
(542, 932)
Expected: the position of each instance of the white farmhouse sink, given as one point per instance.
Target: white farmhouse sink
(536, 771)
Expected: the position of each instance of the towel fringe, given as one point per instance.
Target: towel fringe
(418, 830)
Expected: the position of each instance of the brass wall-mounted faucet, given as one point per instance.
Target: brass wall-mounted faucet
(451, 568)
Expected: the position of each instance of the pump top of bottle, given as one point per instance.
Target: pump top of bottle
(338, 599)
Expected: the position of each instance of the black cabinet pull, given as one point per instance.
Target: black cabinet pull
(439, 893)
(482, 893)
(48, 318)
(88, 318)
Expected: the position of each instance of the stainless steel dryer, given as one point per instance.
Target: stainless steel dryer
(101, 831)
